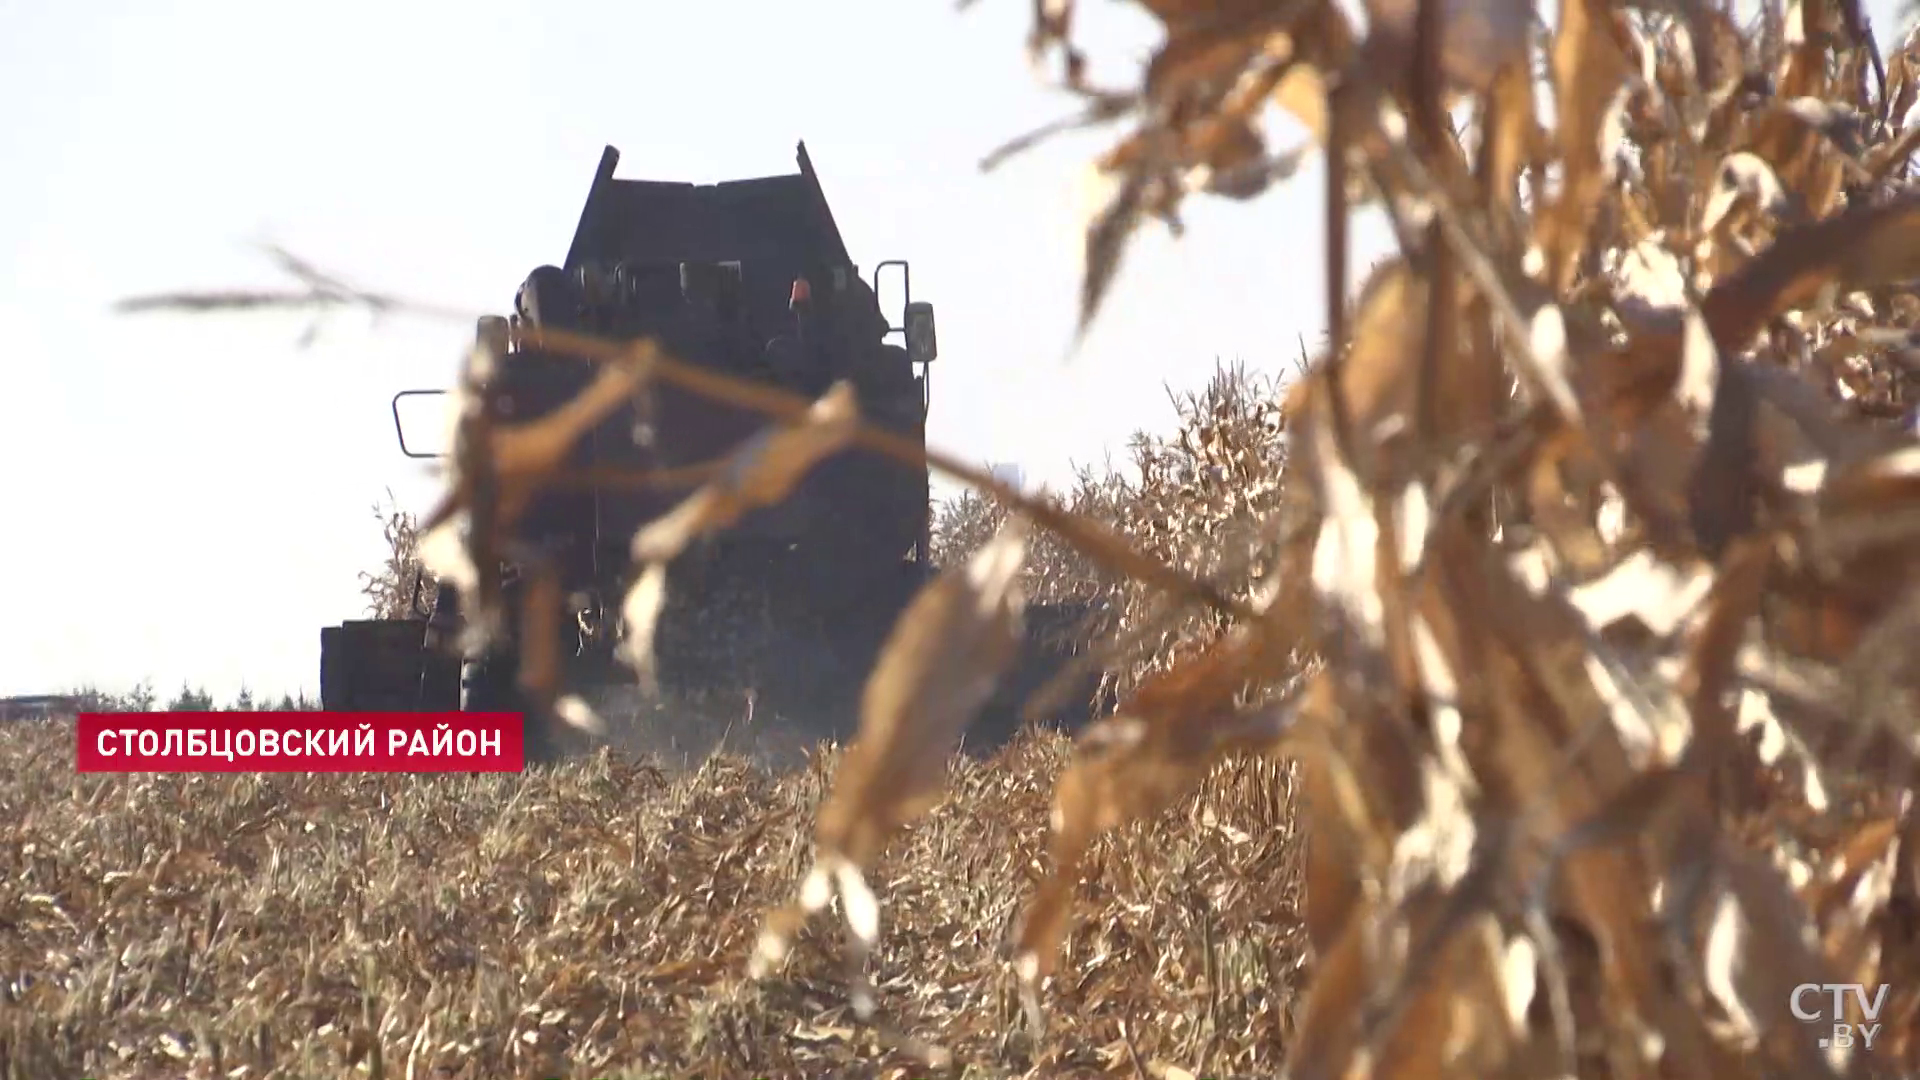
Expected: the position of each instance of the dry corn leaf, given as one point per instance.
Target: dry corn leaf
(760, 473)
(938, 668)
(1208, 44)
(1481, 37)
(947, 651)
(1134, 764)
(499, 468)
(1107, 235)
(1589, 70)
(1859, 249)
(524, 455)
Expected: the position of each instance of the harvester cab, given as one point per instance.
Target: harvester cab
(752, 278)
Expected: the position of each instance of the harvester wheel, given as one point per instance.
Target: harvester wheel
(383, 665)
(492, 684)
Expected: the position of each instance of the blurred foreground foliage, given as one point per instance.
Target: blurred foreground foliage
(1587, 608)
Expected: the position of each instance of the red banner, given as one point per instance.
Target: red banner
(278, 742)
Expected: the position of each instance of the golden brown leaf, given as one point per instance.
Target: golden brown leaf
(1481, 39)
(1589, 68)
(1860, 249)
(1134, 764)
(525, 454)
(947, 651)
(938, 668)
(760, 473)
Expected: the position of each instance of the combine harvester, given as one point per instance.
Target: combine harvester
(749, 277)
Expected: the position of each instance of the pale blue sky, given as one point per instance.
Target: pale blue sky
(188, 498)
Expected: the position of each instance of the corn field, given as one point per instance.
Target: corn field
(1585, 612)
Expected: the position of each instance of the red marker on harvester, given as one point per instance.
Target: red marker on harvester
(800, 305)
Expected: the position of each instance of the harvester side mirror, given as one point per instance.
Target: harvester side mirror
(493, 333)
(922, 344)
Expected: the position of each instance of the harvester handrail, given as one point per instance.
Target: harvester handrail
(400, 430)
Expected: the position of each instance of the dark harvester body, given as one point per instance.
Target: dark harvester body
(749, 277)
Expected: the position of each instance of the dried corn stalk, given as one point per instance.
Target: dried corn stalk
(1616, 708)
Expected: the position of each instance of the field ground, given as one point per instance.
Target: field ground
(593, 920)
